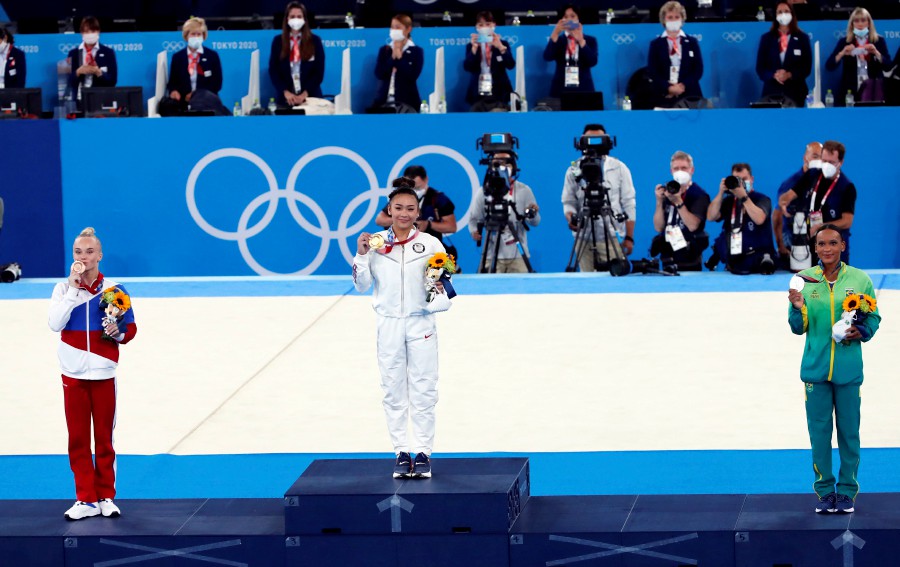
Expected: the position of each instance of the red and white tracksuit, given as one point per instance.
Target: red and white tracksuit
(88, 364)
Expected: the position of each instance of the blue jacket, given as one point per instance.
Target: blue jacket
(797, 60)
(409, 66)
(691, 66)
(587, 58)
(311, 72)
(106, 60)
(500, 63)
(15, 68)
(209, 72)
(849, 62)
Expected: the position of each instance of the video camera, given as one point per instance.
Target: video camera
(496, 181)
(593, 148)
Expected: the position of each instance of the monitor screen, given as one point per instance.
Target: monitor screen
(20, 103)
(113, 101)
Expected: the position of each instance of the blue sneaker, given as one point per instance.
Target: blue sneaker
(422, 466)
(844, 504)
(403, 466)
(827, 503)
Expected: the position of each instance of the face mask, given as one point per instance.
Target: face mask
(397, 35)
(195, 42)
(815, 164)
(421, 192)
(673, 25)
(682, 177)
(861, 33)
(3, 45)
(784, 18)
(748, 185)
(828, 170)
(296, 24)
(90, 38)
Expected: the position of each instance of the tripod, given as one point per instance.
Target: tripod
(596, 207)
(497, 221)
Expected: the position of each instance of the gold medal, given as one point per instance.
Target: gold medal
(376, 241)
(77, 267)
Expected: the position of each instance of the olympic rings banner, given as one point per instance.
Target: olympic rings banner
(729, 57)
(289, 195)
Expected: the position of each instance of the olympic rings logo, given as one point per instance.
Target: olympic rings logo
(321, 227)
(171, 46)
(623, 38)
(734, 37)
(511, 39)
(67, 47)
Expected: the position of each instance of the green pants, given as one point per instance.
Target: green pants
(824, 400)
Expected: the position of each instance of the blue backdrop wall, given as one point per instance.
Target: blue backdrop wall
(239, 196)
(729, 53)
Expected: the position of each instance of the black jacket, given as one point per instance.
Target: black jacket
(209, 72)
(408, 67)
(797, 60)
(500, 63)
(587, 58)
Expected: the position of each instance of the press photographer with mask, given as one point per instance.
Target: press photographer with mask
(745, 244)
(812, 158)
(825, 196)
(680, 217)
(601, 243)
(509, 257)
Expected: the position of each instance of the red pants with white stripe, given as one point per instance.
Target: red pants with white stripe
(87, 401)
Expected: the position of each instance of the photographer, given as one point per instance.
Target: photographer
(680, 217)
(746, 240)
(812, 158)
(617, 184)
(524, 210)
(825, 196)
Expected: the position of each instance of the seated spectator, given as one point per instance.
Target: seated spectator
(745, 243)
(12, 62)
(674, 62)
(297, 59)
(864, 56)
(93, 64)
(826, 196)
(574, 55)
(487, 60)
(784, 58)
(680, 217)
(195, 75)
(398, 68)
(782, 224)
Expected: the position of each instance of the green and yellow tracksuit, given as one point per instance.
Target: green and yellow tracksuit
(832, 373)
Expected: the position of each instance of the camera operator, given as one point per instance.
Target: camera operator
(680, 217)
(781, 223)
(620, 188)
(746, 240)
(509, 258)
(825, 196)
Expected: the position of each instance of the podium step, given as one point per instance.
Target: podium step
(359, 497)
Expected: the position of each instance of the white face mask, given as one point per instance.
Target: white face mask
(90, 38)
(682, 177)
(397, 35)
(421, 192)
(296, 24)
(828, 170)
(815, 164)
(784, 18)
(673, 25)
(195, 42)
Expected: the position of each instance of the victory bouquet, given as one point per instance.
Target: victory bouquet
(856, 308)
(439, 269)
(114, 302)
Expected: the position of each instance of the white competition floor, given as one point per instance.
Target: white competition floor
(552, 363)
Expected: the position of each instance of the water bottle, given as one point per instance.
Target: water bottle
(529, 14)
(626, 104)
(848, 100)
(516, 21)
(760, 15)
(610, 15)
(237, 109)
(256, 105)
(423, 108)
(809, 100)
(446, 17)
(348, 19)
(442, 106)
(272, 106)
(829, 99)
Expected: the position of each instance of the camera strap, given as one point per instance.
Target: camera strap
(736, 240)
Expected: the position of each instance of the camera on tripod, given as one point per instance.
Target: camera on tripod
(496, 183)
(593, 148)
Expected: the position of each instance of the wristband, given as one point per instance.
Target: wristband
(628, 238)
(743, 200)
(679, 205)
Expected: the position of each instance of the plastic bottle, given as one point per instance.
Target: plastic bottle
(442, 106)
(348, 19)
(256, 105)
(809, 100)
(423, 108)
(529, 14)
(626, 104)
(237, 109)
(446, 17)
(829, 99)
(610, 15)
(849, 100)
(272, 106)
(760, 15)
(516, 21)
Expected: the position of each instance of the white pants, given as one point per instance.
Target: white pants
(408, 362)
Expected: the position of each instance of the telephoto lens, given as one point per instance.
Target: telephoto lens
(732, 183)
(673, 187)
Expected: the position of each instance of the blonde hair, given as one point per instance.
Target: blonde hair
(89, 233)
(859, 11)
(194, 24)
(672, 6)
(682, 155)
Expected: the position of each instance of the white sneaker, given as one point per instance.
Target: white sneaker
(108, 508)
(81, 510)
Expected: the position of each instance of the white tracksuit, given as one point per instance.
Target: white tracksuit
(407, 336)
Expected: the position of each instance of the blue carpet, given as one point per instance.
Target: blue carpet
(621, 472)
